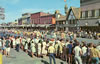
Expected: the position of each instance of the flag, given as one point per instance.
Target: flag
(64, 0)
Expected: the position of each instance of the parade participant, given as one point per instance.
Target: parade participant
(39, 48)
(8, 47)
(33, 50)
(23, 43)
(51, 51)
(44, 51)
(77, 50)
(70, 46)
(26, 46)
(94, 55)
(36, 40)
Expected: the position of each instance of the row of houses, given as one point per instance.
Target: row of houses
(87, 17)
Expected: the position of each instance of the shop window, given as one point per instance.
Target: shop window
(99, 12)
(86, 14)
(93, 13)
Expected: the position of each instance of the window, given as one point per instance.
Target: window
(81, 14)
(86, 14)
(93, 13)
(99, 12)
(89, 13)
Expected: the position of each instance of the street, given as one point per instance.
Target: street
(23, 58)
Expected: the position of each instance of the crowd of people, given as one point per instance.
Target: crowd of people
(39, 45)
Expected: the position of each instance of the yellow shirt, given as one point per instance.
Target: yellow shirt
(56, 47)
(51, 49)
(94, 52)
(0, 58)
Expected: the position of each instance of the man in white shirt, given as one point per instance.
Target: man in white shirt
(0, 44)
(84, 55)
(78, 52)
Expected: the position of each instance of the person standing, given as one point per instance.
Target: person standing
(7, 47)
(3, 45)
(84, 55)
(51, 51)
(70, 46)
(13, 41)
(66, 45)
(77, 50)
(44, 51)
(0, 45)
(17, 44)
(39, 48)
(26, 47)
(94, 55)
(33, 50)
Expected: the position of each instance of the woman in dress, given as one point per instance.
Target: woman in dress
(44, 51)
(33, 50)
(26, 47)
(39, 48)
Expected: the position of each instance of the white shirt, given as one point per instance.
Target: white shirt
(13, 40)
(66, 44)
(18, 41)
(0, 43)
(84, 50)
(77, 50)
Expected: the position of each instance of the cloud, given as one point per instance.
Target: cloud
(39, 10)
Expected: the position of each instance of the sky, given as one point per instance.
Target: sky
(15, 8)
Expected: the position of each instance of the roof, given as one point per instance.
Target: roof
(41, 12)
(62, 17)
(47, 15)
(76, 12)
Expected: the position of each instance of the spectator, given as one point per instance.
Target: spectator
(51, 51)
(78, 52)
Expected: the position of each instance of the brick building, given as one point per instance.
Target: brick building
(42, 18)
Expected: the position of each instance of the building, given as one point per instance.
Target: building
(41, 18)
(73, 18)
(25, 19)
(90, 14)
(60, 20)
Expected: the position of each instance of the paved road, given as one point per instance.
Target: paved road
(22, 58)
